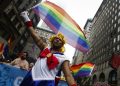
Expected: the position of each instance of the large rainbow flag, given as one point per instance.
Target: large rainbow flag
(82, 69)
(59, 21)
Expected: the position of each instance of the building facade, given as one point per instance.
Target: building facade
(80, 57)
(105, 42)
(87, 31)
(77, 58)
(87, 28)
(12, 26)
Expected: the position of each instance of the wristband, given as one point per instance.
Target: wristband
(29, 23)
(73, 85)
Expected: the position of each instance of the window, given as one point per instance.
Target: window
(13, 17)
(17, 25)
(119, 29)
(110, 12)
(110, 2)
(113, 4)
(119, 13)
(114, 40)
(112, 21)
(116, 5)
(115, 17)
(114, 49)
(111, 28)
(118, 21)
(114, 25)
(115, 11)
(119, 7)
(21, 41)
(118, 38)
(118, 47)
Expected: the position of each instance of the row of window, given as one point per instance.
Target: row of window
(105, 27)
(103, 66)
(13, 13)
(106, 14)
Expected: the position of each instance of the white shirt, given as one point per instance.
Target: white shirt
(40, 70)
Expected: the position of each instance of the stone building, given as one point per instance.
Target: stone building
(11, 24)
(105, 43)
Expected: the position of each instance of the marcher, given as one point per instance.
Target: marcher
(50, 62)
(21, 61)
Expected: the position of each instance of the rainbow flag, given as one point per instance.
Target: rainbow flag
(82, 69)
(59, 21)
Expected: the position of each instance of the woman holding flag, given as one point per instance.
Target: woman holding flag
(51, 60)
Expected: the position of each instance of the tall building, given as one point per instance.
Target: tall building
(87, 28)
(79, 56)
(12, 26)
(87, 31)
(105, 43)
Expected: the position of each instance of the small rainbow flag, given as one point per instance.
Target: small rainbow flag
(59, 21)
(82, 69)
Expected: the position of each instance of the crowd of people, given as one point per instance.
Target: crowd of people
(20, 61)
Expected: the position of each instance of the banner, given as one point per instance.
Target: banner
(11, 76)
(115, 61)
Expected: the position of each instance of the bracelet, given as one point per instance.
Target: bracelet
(73, 85)
(29, 23)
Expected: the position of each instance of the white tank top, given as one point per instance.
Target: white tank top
(40, 70)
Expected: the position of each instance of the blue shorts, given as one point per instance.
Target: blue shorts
(28, 81)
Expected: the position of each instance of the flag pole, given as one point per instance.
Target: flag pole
(33, 6)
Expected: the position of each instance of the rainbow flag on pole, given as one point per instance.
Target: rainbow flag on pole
(59, 21)
(82, 69)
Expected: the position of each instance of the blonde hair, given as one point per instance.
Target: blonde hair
(61, 37)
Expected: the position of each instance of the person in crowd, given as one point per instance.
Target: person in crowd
(21, 61)
(50, 62)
